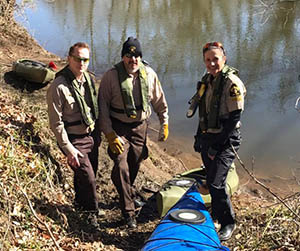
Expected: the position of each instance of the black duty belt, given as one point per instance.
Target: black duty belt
(130, 124)
(117, 110)
(78, 136)
(74, 123)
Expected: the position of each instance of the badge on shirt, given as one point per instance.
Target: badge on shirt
(235, 92)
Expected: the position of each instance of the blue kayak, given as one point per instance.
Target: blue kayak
(186, 226)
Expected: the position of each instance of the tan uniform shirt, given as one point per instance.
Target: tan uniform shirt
(232, 98)
(110, 95)
(62, 107)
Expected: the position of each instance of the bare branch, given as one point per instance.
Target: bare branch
(294, 176)
(292, 196)
(185, 168)
(262, 3)
(153, 129)
(263, 185)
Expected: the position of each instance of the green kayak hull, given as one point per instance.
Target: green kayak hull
(173, 190)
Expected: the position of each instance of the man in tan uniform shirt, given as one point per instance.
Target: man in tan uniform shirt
(126, 92)
(73, 111)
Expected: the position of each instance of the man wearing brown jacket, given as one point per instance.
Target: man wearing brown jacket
(125, 95)
(73, 114)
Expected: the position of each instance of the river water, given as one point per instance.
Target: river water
(262, 40)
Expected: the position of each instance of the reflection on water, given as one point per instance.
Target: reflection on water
(263, 42)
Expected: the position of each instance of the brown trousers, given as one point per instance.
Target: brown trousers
(127, 164)
(85, 174)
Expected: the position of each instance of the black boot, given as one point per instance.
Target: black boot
(226, 231)
(131, 222)
(89, 222)
(139, 203)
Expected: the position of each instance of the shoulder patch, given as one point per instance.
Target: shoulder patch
(235, 91)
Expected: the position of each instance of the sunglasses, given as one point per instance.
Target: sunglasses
(129, 55)
(79, 59)
(207, 46)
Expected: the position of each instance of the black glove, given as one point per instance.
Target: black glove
(197, 144)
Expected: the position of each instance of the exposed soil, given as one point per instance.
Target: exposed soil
(164, 162)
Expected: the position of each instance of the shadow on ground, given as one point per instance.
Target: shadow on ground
(112, 230)
(22, 84)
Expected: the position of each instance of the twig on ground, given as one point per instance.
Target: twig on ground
(263, 3)
(8, 222)
(153, 129)
(34, 213)
(156, 183)
(269, 222)
(264, 186)
(185, 168)
(295, 177)
(246, 183)
(282, 178)
(292, 196)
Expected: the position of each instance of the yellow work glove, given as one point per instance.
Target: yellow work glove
(115, 143)
(163, 132)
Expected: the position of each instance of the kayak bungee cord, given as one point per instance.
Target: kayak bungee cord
(186, 224)
(216, 245)
(177, 240)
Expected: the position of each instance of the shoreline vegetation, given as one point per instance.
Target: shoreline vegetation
(36, 195)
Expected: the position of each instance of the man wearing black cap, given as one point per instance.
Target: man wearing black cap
(125, 95)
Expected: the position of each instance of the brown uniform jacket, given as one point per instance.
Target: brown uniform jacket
(62, 107)
(110, 95)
